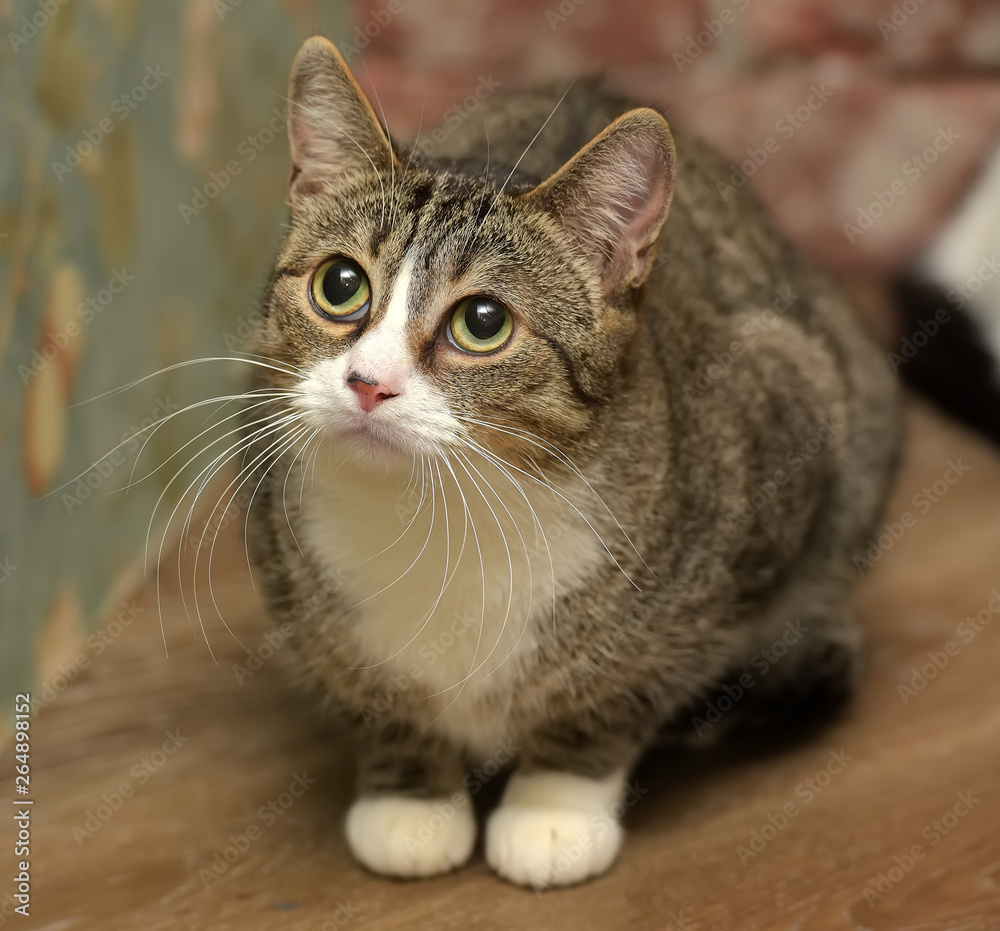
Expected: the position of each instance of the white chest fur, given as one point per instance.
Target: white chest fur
(454, 592)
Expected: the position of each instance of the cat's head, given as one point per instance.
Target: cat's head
(426, 308)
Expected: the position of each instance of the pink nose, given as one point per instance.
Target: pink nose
(370, 393)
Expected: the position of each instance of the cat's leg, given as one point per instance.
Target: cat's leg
(559, 820)
(555, 827)
(412, 816)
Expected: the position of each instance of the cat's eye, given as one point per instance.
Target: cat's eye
(340, 289)
(480, 324)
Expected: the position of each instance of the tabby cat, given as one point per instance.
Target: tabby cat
(544, 478)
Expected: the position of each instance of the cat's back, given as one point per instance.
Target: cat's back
(711, 228)
(725, 281)
(507, 128)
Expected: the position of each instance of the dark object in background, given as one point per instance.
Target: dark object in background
(954, 368)
(948, 304)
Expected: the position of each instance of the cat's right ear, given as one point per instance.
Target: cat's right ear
(332, 129)
(613, 196)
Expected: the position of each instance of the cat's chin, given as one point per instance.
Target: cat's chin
(375, 447)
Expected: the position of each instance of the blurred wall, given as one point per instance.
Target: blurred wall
(142, 175)
(822, 105)
(143, 164)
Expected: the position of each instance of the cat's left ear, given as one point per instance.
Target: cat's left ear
(614, 194)
(332, 128)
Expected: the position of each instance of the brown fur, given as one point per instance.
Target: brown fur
(627, 376)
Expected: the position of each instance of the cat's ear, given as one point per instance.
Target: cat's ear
(332, 128)
(614, 194)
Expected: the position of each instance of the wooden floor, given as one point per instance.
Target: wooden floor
(885, 821)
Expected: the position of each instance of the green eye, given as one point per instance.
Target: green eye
(340, 290)
(480, 324)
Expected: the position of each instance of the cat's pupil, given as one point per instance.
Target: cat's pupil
(484, 318)
(341, 283)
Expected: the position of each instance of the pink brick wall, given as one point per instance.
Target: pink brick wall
(892, 78)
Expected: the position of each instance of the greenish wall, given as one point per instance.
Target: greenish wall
(109, 185)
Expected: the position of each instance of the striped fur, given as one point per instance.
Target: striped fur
(602, 565)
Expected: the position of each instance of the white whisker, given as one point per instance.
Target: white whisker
(179, 365)
(315, 114)
(411, 521)
(530, 587)
(276, 420)
(208, 472)
(284, 502)
(416, 559)
(498, 464)
(482, 195)
(268, 400)
(385, 127)
(406, 167)
(488, 455)
(153, 427)
(548, 447)
(282, 441)
(525, 152)
(510, 562)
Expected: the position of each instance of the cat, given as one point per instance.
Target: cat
(540, 478)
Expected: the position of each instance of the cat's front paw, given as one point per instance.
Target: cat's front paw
(542, 847)
(400, 836)
(554, 829)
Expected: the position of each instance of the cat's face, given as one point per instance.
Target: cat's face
(427, 311)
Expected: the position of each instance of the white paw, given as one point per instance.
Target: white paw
(554, 829)
(400, 836)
